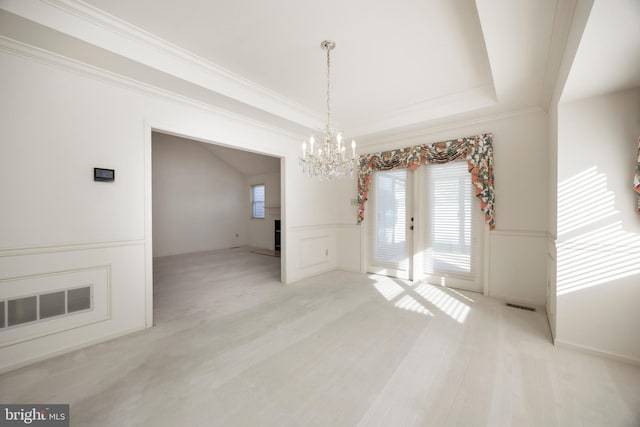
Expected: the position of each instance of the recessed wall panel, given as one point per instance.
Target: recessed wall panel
(314, 251)
(84, 293)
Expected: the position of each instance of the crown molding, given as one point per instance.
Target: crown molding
(562, 20)
(380, 141)
(92, 25)
(473, 99)
(36, 54)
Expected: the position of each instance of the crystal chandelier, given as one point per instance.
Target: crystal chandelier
(326, 157)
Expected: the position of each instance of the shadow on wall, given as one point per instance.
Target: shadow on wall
(593, 248)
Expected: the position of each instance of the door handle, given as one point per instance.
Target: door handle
(411, 227)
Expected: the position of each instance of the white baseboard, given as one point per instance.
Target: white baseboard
(596, 352)
(37, 359)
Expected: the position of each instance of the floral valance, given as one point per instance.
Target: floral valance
(636, 180)
(477, 150)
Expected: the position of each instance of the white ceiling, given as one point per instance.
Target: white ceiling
(407, 64)
(608, 57)
(246, 163)
(389, 55)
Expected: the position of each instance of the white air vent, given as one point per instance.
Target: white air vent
(34, 308)
(521, 307)
(43, 304)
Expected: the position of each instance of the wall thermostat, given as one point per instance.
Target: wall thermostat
(105, 175)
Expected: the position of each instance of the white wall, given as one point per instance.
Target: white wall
(58, 120)
(313, 231)
(349, 233)
(261, 231)
(198, 200)
(517, 247)
(598, 242)
(551, 300)
(581, 12)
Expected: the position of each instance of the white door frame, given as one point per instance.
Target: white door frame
(388, 270)
(418, 243)
(149, 128)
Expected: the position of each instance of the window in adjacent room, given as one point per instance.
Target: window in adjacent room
(257, 201)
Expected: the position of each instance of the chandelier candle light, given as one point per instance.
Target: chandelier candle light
(328, 160)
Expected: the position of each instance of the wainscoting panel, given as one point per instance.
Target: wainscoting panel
(518, 265)
(597, 292)
(111, 277)
(312, 249)
(97, 280)
(349, 247)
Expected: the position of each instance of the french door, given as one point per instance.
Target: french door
(426, 225)
(390, 225)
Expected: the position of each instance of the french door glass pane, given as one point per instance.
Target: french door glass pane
(449, 239)
(390, 229)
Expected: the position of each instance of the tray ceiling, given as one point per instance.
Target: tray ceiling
(398, 65)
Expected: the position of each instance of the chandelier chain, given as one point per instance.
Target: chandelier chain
(328, 89)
